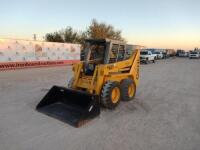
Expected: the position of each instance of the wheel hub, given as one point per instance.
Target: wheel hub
(131, 90)
(115, 95)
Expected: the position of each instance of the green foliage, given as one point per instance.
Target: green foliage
(70, 36)
(54, 37)
(96, 30)
(102, 30)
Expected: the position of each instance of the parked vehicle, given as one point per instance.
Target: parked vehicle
(165, 55)
(171, 52)
(156, 55)
(183, 54)
(194, 55)
(147, 56)
(159, 55)
(179, 51)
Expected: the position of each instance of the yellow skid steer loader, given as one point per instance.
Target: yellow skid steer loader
(107, 74)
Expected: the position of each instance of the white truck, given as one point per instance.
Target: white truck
(159, 55)
(194, 54)
(183, 54)
(147, 56)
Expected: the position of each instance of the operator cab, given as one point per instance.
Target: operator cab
(103, 51)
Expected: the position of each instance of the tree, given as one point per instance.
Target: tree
(98, 30)
(67, 35)
(54, 37)
(70, 36)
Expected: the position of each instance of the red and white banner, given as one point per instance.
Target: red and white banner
(16, 54)
(34, 64)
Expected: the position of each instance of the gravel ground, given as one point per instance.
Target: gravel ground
(164, 115)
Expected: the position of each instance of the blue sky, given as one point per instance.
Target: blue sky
(153, 23)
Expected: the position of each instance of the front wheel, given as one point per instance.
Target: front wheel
(111, 94)
(146, 61)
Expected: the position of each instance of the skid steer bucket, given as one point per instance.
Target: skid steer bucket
(70, 106)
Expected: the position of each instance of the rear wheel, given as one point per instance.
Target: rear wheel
(111, 94)
(146, 61)
(128, 89)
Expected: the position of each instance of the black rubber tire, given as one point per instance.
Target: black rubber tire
(146, 61)
(154, 60)
(69, 85)
(106, 94)
(124, 89)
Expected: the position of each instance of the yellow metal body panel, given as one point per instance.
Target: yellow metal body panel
(104, 72)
